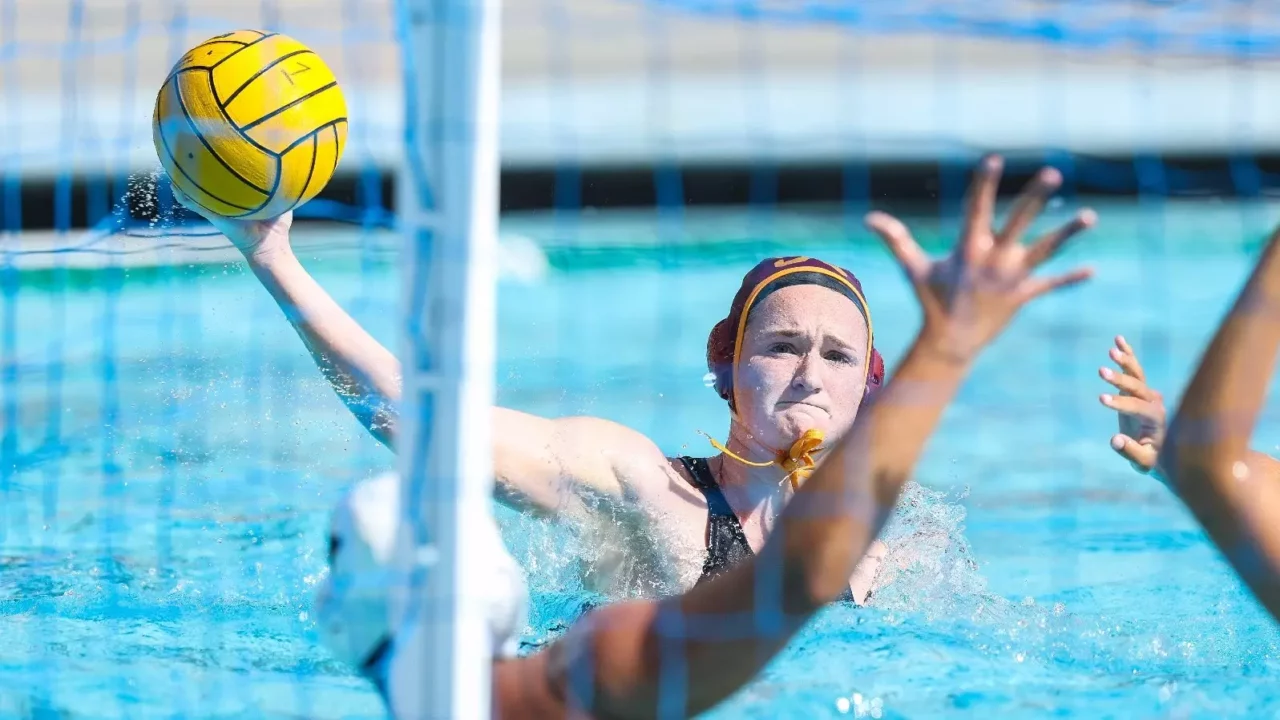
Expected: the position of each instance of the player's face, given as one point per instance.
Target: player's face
(803, 365)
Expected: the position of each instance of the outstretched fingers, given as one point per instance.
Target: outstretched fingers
(1124, 356)
(1129, 384)
(904, 247)
(182, 198)
(185, 201)
(1133, 405)
(1035, 287)
(1123, 345)
(1141, 455)
(1049, 244)
(244, 234)
(980, 212)
(1029, 204)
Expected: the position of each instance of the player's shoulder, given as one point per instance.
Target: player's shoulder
(619, 442)
(642, 472)
(639, 464)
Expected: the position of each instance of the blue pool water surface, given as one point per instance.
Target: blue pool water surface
(170, 454)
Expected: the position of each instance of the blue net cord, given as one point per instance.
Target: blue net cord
(9, 332)
(199, 27)
(180, 228)
(9, 286)
(1228, 28)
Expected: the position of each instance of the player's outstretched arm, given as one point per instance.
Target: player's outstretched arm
(1234, 493)
(537, 461)
(682, 655)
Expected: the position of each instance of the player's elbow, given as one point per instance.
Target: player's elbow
(1190, 458)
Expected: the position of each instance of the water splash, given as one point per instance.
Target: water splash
(930, 567)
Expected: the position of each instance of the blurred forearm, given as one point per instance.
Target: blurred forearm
(1234, 492)
(837, 514)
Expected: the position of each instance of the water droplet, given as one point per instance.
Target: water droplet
(842, 704)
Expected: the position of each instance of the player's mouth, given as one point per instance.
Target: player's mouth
(801, 403)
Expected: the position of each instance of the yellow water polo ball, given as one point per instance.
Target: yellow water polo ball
(250, 124)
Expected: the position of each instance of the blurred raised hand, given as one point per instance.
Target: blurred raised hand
(970, 295)
(1139, 409)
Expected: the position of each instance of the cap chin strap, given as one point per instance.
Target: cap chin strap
(798, 461)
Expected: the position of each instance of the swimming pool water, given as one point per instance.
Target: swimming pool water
(170, 455)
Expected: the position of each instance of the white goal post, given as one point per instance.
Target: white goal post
(447, 204)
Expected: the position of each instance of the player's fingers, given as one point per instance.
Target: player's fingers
(1129, 384)
(980, 210)
(1130, 405)
(1035, 287)
(1048, 245)
(1128, 362)
(1141, 455)
(1123, 345)
(227, 227)
(898, 239)
(1030, 202)
(185, 201)
(182, 198)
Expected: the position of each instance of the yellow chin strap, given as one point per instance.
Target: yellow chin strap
(798, 461)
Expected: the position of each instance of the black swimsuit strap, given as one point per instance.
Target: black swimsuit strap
(700, 470)
(726, 542)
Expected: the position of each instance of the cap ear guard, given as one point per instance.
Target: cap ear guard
(875, 377)
(719, 347)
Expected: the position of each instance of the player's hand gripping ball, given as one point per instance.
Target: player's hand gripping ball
(250, 125)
